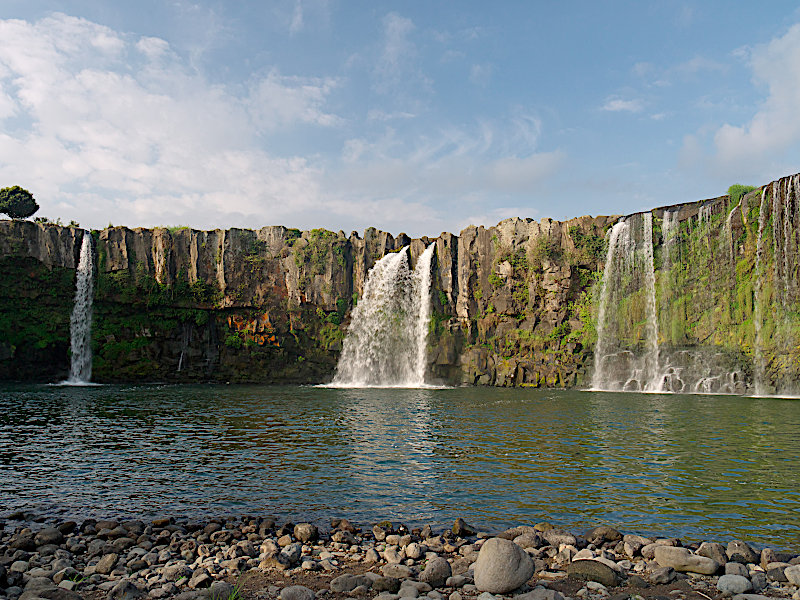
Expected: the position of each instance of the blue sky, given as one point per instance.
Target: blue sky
(410, 116)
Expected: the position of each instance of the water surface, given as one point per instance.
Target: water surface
(700, 467)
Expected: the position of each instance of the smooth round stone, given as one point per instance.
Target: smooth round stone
(593, 571)
(296, 592)
(681, 559)
(40, 572)
(50, 535)
(735, 568)
(731, 585)
(502, 566)
(436, 572)
(19, 566)
(414, 550)
(792, 574)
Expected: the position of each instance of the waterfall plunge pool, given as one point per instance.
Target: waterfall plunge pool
(697, 467)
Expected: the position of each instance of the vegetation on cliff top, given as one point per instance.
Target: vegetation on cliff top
(17, 202)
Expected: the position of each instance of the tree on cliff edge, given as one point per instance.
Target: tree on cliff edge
(17, 203)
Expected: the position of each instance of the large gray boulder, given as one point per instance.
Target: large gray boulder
(792, 574)
(714, 551)
(436, 572)
(742, 552)
(502, 566)
(681, 559)
(730, 585)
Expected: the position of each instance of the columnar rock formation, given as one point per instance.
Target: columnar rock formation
(513, 304)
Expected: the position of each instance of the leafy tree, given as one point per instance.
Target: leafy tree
(17, 203)
(737, 190)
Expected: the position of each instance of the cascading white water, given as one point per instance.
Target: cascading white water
(422, 296)
(776, 287)
(386, 342)
(670, 229)
(727, 241)
(704, 215)
(758, 311)
(603, 348)
(629, 270)
(627, 359)
(627, 354)
(80, 371)
(651, 327)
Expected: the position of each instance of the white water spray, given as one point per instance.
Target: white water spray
(603, 348)
(651, 328)
(80, 371)
(422, 296)
(386, 343)
(758, 316)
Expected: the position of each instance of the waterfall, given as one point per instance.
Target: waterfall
(776, 339)
(670, 228)
(727, 241)
(386, 343)
(651, 328)
(627, 355)
(626, 359)
(758, 311)
(704, 215)
(422, 297)
(80, 329)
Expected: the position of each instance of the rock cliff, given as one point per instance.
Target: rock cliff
(513, 304)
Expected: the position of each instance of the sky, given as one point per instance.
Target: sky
(415, 116)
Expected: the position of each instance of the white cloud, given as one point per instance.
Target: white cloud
(617, 104)
(397, 47)
(480, 74)
(121, 128)
(698, 64)
(106, 127)
(276, 101)
(376, 114)
(297, 17)
(750, 149)
(396, 70)
(485, 163)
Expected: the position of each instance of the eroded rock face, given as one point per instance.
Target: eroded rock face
(272, 304)
(511, 304)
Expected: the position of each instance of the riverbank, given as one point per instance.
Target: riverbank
(258, 558)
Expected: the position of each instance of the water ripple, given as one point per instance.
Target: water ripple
(701, 467)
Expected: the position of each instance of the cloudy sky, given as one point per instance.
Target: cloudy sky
(413, 116)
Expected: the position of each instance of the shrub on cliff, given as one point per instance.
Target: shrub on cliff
(17, 203)
(737, 190)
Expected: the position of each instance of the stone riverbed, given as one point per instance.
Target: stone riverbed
(259, 558)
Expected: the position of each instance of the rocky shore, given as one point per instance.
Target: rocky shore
(244, 558)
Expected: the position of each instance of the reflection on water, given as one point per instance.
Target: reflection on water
(703, 467)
